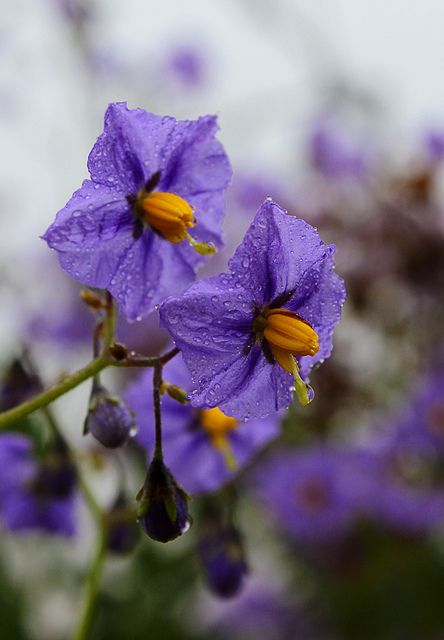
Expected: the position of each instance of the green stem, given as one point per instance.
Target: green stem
(83, 628)
(157, 383)
(44, 398)
(96, 567)
(110, 322)
(70, 382)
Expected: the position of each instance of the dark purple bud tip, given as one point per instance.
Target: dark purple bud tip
(57, 475)
(108, 419)
(123, 532)
(222, 556)
(163, 505)
(17, 385)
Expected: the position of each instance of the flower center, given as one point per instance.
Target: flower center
(288, 336)
(435, 419)
(312, 495)
(217, 426)
(170, 215)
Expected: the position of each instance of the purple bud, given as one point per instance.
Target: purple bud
(108, 419)
(57, 475)
(123, 532)
(163, 508)
(17, 385)
(221, 553)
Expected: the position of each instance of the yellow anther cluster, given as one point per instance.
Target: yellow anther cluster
(169, 214)
(218, 426)
(288, 335)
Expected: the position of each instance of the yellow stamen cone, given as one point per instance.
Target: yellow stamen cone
(172, 216)
(288, 331)
(218, 426)
(289, 336)
(169, 214)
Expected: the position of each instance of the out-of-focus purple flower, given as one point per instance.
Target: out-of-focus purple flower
(262, 611)
(75, 11)
(187, 64)
(250, 189)
(196, 442)
(401, 492)
(35, 494)
(126, 229)
(334, 154)
(434, 144)
(419, 426)
(315, 494)
(246, 335)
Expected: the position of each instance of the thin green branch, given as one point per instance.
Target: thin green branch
(93, 579)
(105, 360)
(157, 383)
(48, 396)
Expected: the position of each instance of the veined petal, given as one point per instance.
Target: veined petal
(128, 152)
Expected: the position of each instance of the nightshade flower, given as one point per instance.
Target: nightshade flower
(400, 493)
(315, 494)
(203, 448)
(248, 334)
(36, 494)
(420, 424)
(334, 154)
(152, 208)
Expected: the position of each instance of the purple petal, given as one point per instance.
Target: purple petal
(277, 255)
(91, 234)
(130, 149)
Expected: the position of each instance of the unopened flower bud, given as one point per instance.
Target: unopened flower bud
(18, 384)
(177, 393)
(123, 532)
(108, 419)
(222, 556)
(57, 475)
(163, 506)
(92, 299)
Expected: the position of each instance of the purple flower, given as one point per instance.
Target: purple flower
(187, 65)
(315, 494)
(420, 424)
(434, 144)
(202, 448)
(248, 334)
(250, 188)
(334, 154)
(263, 610)
(402, 495)
(153, 180)
(35, 494)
